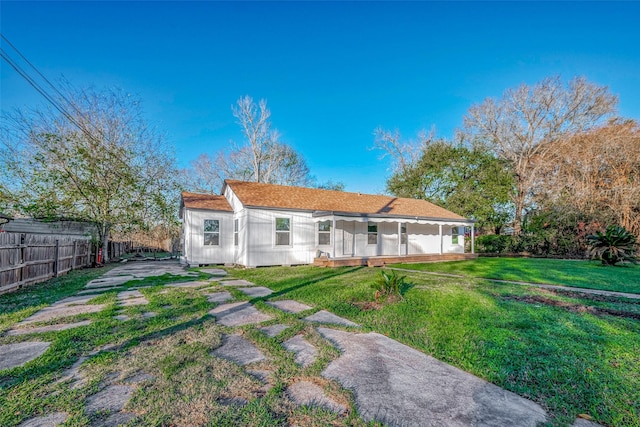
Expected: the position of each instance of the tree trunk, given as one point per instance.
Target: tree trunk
(105, 242)
(518, 201)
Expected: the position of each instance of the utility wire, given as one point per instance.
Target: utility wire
(58, 106)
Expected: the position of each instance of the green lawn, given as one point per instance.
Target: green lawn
(569, 362)
(557, 349)
(581, 274)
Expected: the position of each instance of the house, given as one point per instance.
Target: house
(255, 224)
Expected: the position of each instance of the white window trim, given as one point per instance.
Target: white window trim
(275, 221)
(318, 232)
(377, 233)
(219, 232)
(236, 230)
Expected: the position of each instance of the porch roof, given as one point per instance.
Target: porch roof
(319, 216)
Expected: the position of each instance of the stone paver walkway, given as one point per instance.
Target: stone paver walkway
(214, 271)
(219, 296)
(48, 328)
(274, 330)
(236, 282)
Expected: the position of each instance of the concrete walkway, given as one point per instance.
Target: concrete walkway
(538, 285)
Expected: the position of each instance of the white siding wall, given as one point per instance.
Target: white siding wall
(194, 249)
(423, 239)
(262, 249)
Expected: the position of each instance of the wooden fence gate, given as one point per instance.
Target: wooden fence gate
(31, 258)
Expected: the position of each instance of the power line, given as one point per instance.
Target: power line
(57, 105)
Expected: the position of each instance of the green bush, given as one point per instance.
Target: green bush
(616, 244)
(493, 243)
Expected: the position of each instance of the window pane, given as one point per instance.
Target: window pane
(403, 228)
(324, 226)
(282, 239)
(282, 224)
(373, 238)
(211, 225)
(403, 238)
(211, 239)
(235, 239)
(372, 227)
(324, 238)
(235, 225)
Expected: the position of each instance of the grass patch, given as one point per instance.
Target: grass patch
(574, 273)
(168, 357)
(569, 361)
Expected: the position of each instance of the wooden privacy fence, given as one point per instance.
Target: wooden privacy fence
(32, 258)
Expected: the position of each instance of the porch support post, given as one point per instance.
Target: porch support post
(333, 236)
(441, 242)
(473, 239)
(399, 238)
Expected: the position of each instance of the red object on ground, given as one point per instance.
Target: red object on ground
(100, 256)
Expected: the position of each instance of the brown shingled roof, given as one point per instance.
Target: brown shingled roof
(313, 199)
(205, 201)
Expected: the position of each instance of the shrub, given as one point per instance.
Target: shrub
(493, 243)
(614, 245)
(388, 285)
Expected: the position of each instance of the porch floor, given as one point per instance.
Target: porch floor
(379, 261)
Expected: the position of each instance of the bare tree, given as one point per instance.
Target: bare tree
(598, 173)
(403, 153)
(523, 125)
(261, 158)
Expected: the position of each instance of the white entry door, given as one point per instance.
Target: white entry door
(348, 236)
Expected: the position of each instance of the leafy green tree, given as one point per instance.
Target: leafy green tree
(100, 163)
(468, 181)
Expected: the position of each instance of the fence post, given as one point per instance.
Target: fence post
(23, 253)
(75, 254)
(57, 259)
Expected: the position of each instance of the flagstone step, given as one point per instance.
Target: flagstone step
(305, 393)
(324, 316)
(290, 306)
(237, 349)
(238, 314)
(305, 352)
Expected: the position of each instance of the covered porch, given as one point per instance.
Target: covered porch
(345, 239)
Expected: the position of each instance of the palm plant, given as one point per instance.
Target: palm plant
(388, 285)
(616, 244)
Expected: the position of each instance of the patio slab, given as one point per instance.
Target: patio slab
(238, 314)
(309, 394)
(274, 330)
(237, 349)
(112, 398)
(219, 297)
(51, 420)
(397, 385)
(305, 352)
(214, 271)
(324, 316)
(133, 301)
(289, 305)
(48, 328)
(236, 282)
(56, 312)
(257, 291)
(14, 355)
(194, 284)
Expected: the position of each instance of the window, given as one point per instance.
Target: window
(283, 231)
(324, 233)
(454, 235)
(403, 234)
(235, 232)
(372, 233)
(211, 232)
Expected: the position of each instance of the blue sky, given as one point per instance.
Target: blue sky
(331, 72)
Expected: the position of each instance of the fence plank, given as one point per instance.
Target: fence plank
(31, 258)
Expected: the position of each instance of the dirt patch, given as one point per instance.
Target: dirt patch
(575, 308)
(367, 305)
